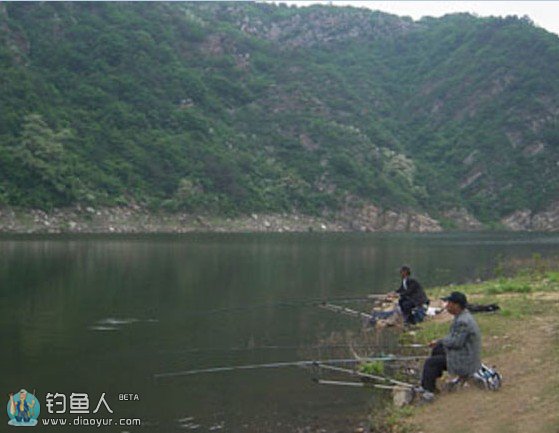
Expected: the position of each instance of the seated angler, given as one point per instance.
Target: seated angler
(459, 352)
(413, 300)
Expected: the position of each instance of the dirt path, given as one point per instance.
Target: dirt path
(528, 402)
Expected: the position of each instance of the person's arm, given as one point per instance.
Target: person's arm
(457, 337)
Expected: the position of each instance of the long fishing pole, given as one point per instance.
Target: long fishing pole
(250, 367)
(267, 347)
(289, 303)
(282, 364)
(345, 310)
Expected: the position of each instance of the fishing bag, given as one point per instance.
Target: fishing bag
(418, 314)
(483, 308)
(488, 378)
(485, 378)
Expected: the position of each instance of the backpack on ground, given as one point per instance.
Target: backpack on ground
(488, 378)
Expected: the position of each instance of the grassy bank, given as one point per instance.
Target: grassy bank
(521, 339)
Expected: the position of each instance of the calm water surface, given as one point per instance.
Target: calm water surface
(83, 314)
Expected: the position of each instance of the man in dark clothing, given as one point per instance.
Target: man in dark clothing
(412, 298)
(458, 352)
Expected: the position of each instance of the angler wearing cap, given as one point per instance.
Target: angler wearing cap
(459, 352)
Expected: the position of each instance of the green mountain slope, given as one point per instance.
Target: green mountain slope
(228, 108)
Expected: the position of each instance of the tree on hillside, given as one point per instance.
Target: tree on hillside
(41, 152)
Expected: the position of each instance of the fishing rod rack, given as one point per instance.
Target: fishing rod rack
(403, 393)
(366, 378)
(376, 313)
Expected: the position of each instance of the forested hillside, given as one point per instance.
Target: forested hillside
(230, 108)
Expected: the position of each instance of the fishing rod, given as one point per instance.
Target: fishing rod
(369, 297)
(345, 310)
(268, 347)
(290, 303)
(250, 367)
(282, 364)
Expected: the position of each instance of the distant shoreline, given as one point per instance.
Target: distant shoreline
(135, 219)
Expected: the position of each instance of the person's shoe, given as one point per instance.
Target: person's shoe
(427, 397)
(423, 395)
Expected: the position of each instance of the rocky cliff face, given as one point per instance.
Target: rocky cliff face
(317, 26)
(461, 219)
(525, 219)
(374, 219)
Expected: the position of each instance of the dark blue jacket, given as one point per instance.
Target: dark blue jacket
(414, 293)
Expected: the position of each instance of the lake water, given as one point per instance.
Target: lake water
(106, 314)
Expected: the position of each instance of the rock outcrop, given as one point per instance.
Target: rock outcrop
(372, 218)
(526, 220)
(319, 26)
(463, 220)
